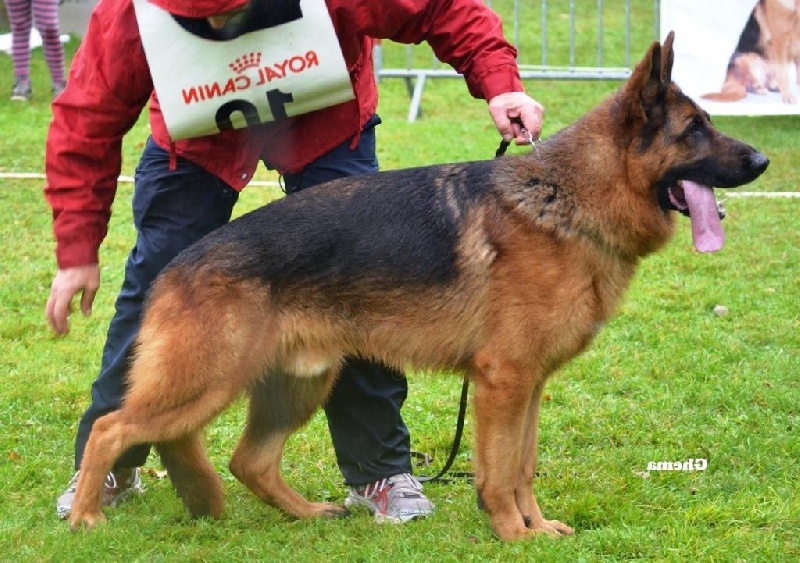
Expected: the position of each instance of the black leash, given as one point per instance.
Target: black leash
(462, 410)
(501, 150)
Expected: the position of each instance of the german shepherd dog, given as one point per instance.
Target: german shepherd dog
(503, 270)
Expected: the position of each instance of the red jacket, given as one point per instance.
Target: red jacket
(109, 85)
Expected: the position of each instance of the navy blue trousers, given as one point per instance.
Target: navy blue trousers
(174, 208)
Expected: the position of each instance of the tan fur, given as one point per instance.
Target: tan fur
(543, 255)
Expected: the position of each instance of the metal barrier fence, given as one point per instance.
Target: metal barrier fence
(572, 43)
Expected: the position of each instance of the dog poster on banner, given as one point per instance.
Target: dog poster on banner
(737, 57)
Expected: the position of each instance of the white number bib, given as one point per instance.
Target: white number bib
(206, 86)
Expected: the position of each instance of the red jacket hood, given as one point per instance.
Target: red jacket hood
(198, 8)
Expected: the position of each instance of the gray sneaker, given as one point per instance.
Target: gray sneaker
(115, 491)
(397, 499)
(21, 91)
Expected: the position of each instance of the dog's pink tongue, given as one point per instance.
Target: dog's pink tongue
(707, 231)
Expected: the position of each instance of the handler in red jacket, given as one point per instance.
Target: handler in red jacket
(232, 82)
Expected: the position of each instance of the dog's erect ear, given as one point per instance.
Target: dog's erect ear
(649, 80)
(647, 70)
(667, 58)
(641, 90)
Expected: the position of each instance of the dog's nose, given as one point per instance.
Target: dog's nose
(758, 161)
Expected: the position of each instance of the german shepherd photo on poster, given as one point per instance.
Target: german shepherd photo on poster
(767, 57)
(502, 269)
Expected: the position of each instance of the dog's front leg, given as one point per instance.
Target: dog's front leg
(526, 500)
(502, 398)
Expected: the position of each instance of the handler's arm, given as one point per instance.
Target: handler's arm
(108, 86)
(469, 36)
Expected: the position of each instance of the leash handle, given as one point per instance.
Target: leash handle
(501, 150)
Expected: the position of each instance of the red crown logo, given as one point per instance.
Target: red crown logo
(248, 60)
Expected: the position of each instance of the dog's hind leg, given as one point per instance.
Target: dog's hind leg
(137, 423)
(149, 417)
(106, 443)
(192, 475)
(526, 500)
(186, 370)
(279, 405)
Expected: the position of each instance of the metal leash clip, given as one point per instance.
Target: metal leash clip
(527, 134)
(530, 138)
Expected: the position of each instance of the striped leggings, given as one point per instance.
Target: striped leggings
(21, 16)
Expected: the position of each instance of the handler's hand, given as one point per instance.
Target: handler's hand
(516, 106)
(68, 283)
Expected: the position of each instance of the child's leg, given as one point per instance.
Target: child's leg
(21, 20)
(45, 13)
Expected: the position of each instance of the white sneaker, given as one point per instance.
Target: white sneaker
(114, 491)
(397, 499)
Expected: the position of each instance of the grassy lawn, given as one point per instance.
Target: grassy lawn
(667, 380)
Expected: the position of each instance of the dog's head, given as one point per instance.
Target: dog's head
(688, 154)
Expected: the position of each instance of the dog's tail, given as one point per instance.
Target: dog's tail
(732, 91)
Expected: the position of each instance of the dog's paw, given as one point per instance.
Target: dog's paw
(514, 528)
(329, 510)
(85, 520)
(552, 528)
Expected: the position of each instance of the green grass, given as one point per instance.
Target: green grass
(666, 380)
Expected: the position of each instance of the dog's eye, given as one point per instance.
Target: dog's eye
(697, 126)
(698, 122)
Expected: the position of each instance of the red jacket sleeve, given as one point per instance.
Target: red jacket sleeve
(108, 86)
(463, 33)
